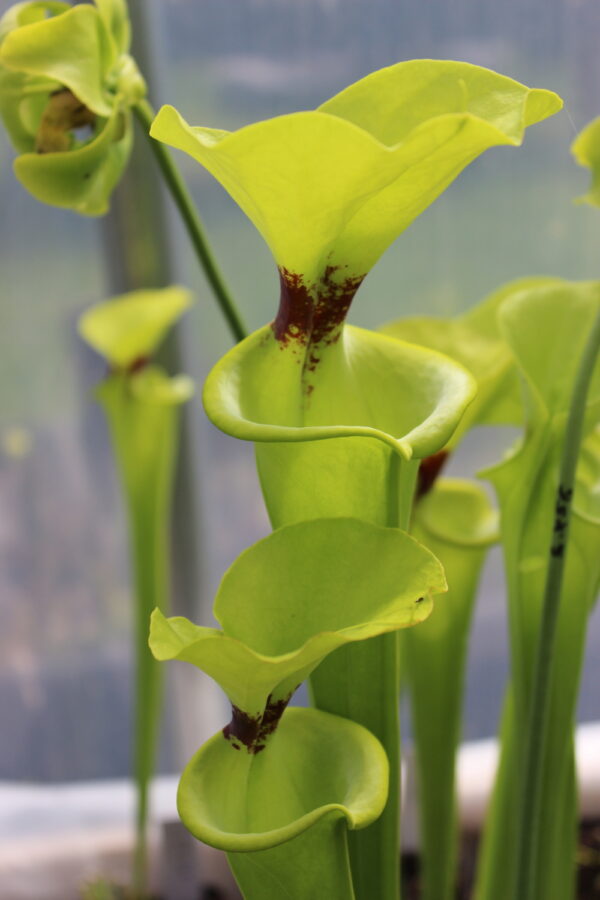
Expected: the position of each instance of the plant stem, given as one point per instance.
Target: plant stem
(144, 436)
(150, 556)
(193, 224)
(375, 852)
(537, 721)
(313, 864)
(434, 657)
(361, 682)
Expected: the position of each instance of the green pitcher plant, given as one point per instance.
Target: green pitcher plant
(354, 427)
(329, 190)
(142, 404)
(458, 523)
(545, 327)
(473, 339)
(456, 520)
(480, 340)
(67, 85)
(308, 469)
(278, 790)
(69, 90)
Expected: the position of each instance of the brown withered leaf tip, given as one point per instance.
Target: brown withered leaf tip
(311, 315)
(132, 368)
(429, 471)
(137, 365)
(253, 731)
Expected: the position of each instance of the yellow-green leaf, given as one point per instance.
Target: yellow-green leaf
(362, 581)
(128, 328)
(333, 187)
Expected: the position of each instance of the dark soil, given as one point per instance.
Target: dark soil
(588, 866)
(588, 859)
